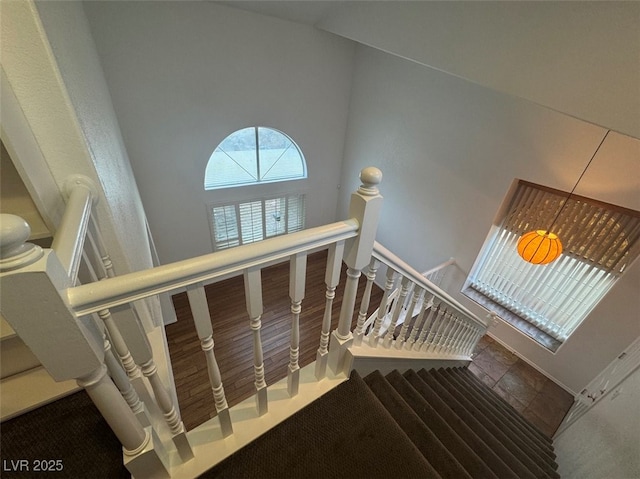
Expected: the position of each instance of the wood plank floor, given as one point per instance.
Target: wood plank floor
(233, 340)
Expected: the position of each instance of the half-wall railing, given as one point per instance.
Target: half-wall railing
(78, 331)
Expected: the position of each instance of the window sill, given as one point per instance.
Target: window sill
(514, 320)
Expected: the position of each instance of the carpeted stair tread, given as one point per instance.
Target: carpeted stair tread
(306, 446)
(425, 440)
(433, 378)
(450, 409)
(70, 430)
(515, 415)
(505, 409)
(465, 455)
(521, 442)
(481, 396)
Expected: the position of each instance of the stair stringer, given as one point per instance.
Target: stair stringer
(365, 359)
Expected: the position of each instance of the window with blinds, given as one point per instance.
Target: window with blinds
(250, 221)
(599, 241)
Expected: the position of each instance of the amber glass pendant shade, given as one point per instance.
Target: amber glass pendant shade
(539, 247)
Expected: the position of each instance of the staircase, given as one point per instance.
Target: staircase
(93, 333)
(429, 424)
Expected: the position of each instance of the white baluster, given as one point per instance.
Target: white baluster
(202, 320)
(98, 241)
(253, 296)
(121, 380)
(462, 334)
(442, 331)
(119, 344)
(465, 338)
(169, 411)
(409, 344)
(433, 330)
(364, 304)
(389, 284)
(114, 409)
(144, 454)
(397, 309)
(297, 276)
(417, 293)
(332, 277)
(427, 326)
(453, 334)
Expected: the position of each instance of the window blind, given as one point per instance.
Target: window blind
(250, 221)
(599, 241)
(600, 233)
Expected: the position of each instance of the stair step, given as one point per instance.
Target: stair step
(420, 434)
(515, 415)
(522, 452)
(29, 390)
(500, 409)
(305, 445)
(521, 437)
(431, 424)
(465, 455)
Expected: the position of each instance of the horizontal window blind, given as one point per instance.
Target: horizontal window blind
(250, 221)
(599, 241)
(592, 231)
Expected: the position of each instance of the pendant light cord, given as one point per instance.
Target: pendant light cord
(576, 185)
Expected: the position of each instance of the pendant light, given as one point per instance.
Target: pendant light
(543, 246)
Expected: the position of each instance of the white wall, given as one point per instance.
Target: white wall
(68, 34)
(605, 442)
(449, 151)
(580, 58)
(184, 75)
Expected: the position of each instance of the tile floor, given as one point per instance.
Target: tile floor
(536, 397)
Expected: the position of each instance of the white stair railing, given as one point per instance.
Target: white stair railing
(72, 344)
(442, 325)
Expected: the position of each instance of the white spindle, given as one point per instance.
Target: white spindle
(297, 276)
(364, 304)
(115, 410)
(417, 326)
(253, 296)
(389, 284)
(462, 334)
(427, 326)
(417, 293)
(118, 343)
(332, 277)
(453, 334)
(98, 241)
(171, 415)
(433, 329)
(121, 380)
(397, 309)
(442, 332)
(348, 303)
(202, 320)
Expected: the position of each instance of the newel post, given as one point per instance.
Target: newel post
(32, 285)
(365, 207)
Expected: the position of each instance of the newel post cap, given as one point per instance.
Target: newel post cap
(15, 252)
(370, 177)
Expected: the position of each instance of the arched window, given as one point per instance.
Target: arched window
(254, 155)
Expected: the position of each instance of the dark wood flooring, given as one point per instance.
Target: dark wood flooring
(233, 340)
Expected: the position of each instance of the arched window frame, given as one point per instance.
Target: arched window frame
(253, 166)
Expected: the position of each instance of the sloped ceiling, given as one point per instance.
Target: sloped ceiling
(579, 58)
